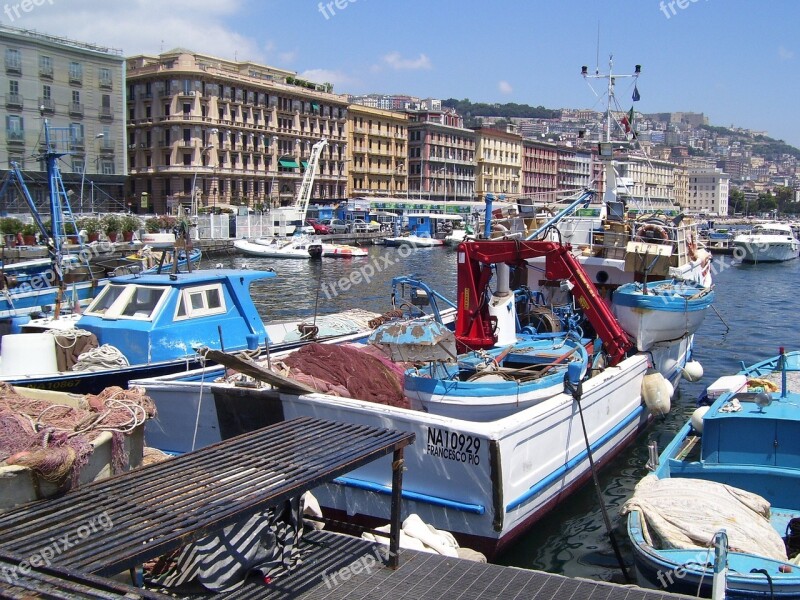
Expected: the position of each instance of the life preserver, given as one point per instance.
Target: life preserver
(652, 233)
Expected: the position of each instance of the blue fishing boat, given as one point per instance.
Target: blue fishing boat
(661, 311)
(149, 325)
(735, 467)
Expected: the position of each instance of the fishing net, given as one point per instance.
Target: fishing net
(347, 370)
(55, 440)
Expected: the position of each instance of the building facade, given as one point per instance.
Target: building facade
(377, 152)
(708, 192)
(79, 89)
(574, 171)
(441, 156)
(208, 132)
(539, 171)
(499, 162)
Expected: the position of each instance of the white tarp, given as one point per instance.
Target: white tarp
(686, 513)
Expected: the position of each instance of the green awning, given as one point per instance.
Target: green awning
(304, 163)
(289, 164)
(315, 106)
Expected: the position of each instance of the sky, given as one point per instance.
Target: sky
(734, 60)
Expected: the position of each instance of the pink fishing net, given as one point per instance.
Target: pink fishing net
(55, 440)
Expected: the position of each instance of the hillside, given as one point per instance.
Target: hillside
(469, 110)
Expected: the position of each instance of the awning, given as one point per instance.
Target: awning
(289, 164)
(315, 106)
(304, 163)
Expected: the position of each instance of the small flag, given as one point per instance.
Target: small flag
(636, 96)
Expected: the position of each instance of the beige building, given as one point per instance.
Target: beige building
(651, 182)
(708, 192)
(499, 158)
(681, 190)
(79, 88)
(228, 133)
(377, 152)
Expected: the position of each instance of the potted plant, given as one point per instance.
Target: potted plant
(111, 226)
(92, 226)
(11, 227)
(29, 231)
(71, 232)
(152, 225)
(128, 224)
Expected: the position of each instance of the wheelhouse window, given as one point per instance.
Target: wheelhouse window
(201, 301)
(127, 302)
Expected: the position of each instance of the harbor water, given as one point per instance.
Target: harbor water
(754, 314)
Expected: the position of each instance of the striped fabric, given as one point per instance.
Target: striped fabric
(266, 543)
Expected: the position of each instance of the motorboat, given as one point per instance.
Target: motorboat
(720, 513)
(413, 241)
(342, 251)
(295, 247)
(766, 242)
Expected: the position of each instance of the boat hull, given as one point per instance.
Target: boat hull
(754, 249)
(262, 250)
(485, 482)
(413, 241)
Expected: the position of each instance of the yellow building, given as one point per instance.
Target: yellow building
(499, 159)
(204, 131)
(377, 152)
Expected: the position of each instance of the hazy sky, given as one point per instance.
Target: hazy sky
(735, 60)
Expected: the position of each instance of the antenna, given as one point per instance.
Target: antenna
(597, 56)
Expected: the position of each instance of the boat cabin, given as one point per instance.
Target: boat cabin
(155, 318)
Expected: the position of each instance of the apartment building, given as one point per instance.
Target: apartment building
(539, 171)
(574, 171)
(441, 156)
(79, 89)
(208, 132)
(650, 183)
(499, 162)
(708, 192)
(377, 152)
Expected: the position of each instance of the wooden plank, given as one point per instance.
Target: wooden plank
(256, 371)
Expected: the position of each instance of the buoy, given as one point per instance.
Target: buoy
(693, 371)
(656, 392)
(669, 388)
(697, 418)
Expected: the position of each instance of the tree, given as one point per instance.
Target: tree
(736, 203)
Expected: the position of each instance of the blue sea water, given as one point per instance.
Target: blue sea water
(755, 312)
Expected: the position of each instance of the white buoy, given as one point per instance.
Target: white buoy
(697, 418)
(693, 371)
(656, 392)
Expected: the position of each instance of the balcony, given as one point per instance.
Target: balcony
(15, 137)
(106, 114)
(46, 105)
(46, 72)
(105, 83)
(75, 109)
(76, 78)
(107, 147)
(13, 66)
(14, 101)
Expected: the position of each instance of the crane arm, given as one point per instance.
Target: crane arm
(474, 325)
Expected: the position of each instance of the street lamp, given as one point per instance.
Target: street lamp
(203, 150)
(83, 171)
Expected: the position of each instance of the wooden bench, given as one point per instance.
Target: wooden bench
(116, 524)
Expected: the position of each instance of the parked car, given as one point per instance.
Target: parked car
(319, 228)
(361, 226)
(335, 225)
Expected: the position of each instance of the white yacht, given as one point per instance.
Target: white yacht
(766, 242)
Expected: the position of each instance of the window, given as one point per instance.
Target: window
(45, 66)
(107, 166)
(14, 128)
(75, 72)
(104, 77)
(47, 93)
(76, 133)
(76, 97)
(138, 302)
(13, 61)
(201, 302)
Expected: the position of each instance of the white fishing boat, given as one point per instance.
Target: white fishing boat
(766, 242)
(661, 311)
(485, 477)
(295, 247)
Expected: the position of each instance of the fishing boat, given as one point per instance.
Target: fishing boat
(766, 242)
(149, 325)
(485, 473)
(342, 251)
(729, 475)
(296, 247)
(660, 311)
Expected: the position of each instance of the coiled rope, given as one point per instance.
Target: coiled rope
(98, 359)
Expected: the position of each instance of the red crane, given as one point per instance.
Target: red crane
(475, 326)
